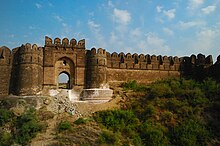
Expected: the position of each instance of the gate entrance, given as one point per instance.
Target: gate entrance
(64, 73)
(64, 81)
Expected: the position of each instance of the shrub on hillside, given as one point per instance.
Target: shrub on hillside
(108, 137)
(27, 127)
(6, 138)
(212, 89)
(133, 85)
(118, 120)
(160, 90)
(64, 125)
(191, 132)
(154, 133)
(5, 116)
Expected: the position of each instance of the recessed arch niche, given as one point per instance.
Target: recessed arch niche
(65, 66)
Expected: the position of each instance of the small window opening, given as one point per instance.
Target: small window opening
(122, 59)
(64, 62)
(136, 60)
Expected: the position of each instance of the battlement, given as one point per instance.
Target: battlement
(5, 55)
(28, 54)
(96, 57)
(142, 61)
(64, 43)
(198, 60)
(28, 69)
(28, 48)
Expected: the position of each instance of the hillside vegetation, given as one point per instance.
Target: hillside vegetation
(167, 112)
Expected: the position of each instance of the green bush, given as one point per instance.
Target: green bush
(161, 90)
(154, 134)
(137, 141)
(174, 104)
(6, 139)
(133, 85)
(149, 111)
(191, 132)
(211, 88)
(166, 116)
(108, 137)
(171, 112)
(64, 125)
(5, 116)
(80, 121)
(195, 97)
(27, 127)
(117, 120)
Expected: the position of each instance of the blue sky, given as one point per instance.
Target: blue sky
(161, 27)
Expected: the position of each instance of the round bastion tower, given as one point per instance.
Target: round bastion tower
(97, 66)
(96, 89)
(27, 70)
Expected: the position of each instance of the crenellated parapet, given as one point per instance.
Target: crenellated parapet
(97, 57)
(5, 56)
(28, 54)
(65, 42)
(142, 62)
(199, 60)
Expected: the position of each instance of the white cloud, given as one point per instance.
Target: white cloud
(11, 36)
(121, 16)
(170, 13)
(64, 24)
(159, 20)
(187, 25)
(32, 27)
(159, 9)
(168, 31)
(96, 31)
(209, 9)
(93, 25)
(205, 41)
(110, 4)
(153, 44)
(58, 18)
(193, 4)
(38, 5)
(135, 32)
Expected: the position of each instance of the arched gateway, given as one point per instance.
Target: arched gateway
(65, 65)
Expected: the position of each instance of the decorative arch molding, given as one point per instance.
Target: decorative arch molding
(67, 66)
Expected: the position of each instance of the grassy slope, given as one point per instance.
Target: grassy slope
(167, 112)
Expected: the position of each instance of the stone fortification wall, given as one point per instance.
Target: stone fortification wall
(5, 70)
(143, 62)
(146, 68)
(142, 68)
(27, 70)
(96, 68)
(71, 52)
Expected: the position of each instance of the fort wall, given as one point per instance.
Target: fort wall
(58, 51)
(96, 68)
(5, 70)
(29, 69)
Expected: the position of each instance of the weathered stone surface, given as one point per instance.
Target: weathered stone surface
(30, 70)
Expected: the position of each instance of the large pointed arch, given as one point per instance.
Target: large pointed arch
(65, 65)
